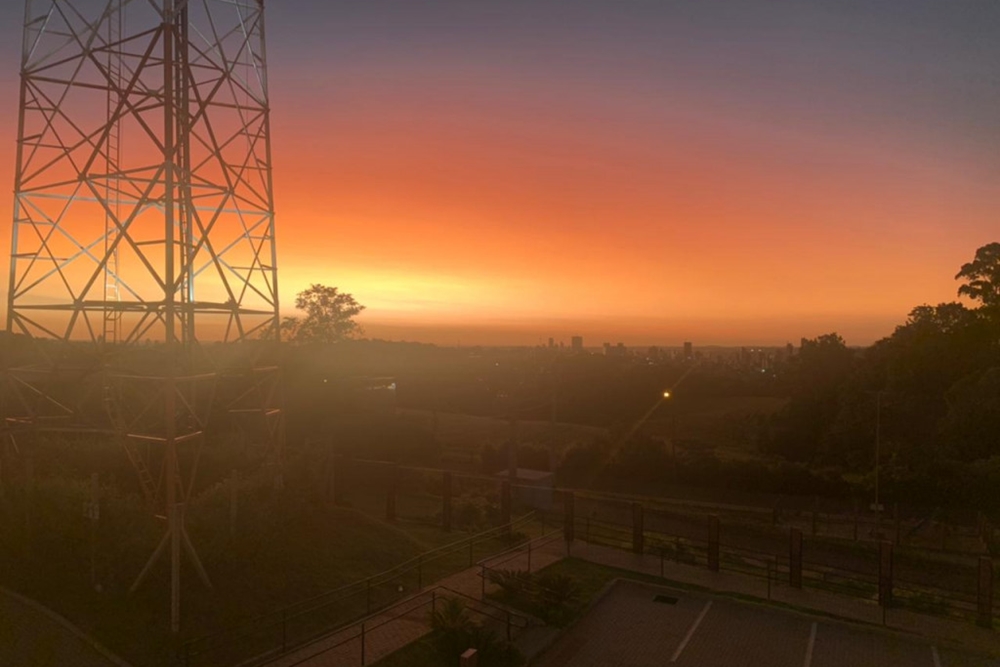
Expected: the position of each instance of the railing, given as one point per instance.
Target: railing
(511, 622)
(860, 580)
(277, 632)
(833, 519)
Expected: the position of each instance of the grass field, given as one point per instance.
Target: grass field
(287, 547)
(459, 433)
(278, 556)
(722, 424)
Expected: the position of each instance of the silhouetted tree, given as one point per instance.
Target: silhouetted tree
(971, 429)
(329, 316)
(982, 276)
(820, 373)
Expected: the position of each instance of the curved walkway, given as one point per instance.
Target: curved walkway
(31, 635)
(395, 629)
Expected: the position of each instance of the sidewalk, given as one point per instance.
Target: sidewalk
(941, 630)
(31, 634)
(409, 620)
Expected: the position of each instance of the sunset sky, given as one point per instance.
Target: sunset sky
(727, 172)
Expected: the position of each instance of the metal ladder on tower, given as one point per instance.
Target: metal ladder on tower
(112, 284)
(113, 148)
(112, 406)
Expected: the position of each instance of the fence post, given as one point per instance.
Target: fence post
(713, 543)
(769, 568)
(344, 472)
(985, 592)
(569, 522)
(29, 500)
(330, 488)
(446, 503)
(362, 643)
(795, 558)
(234, 489)
(638, 532)
(855, 520)
(505, 507)
(885, 574)
(390, 497)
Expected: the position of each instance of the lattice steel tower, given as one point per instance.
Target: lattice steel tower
(143, 213)
(143, 186)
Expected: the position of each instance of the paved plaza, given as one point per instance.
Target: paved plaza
(630, 627)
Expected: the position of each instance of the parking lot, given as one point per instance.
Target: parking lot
(637, 625)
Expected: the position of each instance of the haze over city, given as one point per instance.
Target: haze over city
(500, 333)
(653, 172)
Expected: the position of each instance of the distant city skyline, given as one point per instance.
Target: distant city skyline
(726, 172)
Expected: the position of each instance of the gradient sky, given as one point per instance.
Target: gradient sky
(645, 171)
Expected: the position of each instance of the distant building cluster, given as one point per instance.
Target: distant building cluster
(760, 359)
(618, 350)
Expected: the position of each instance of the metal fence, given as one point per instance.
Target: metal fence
(951, 588)
(282, 630)
(354, 641)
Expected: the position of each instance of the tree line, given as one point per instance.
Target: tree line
(927, 397)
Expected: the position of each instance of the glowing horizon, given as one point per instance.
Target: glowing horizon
(503, 173)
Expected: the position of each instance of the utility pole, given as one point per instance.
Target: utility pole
(878, 452)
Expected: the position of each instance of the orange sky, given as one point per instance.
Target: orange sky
(711, 229)
(565, 175)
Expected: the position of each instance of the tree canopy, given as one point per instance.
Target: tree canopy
(982, 276)
(329, 316)
(932, 386)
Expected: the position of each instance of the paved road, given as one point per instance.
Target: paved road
(628, 628)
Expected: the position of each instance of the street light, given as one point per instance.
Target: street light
(673, 437)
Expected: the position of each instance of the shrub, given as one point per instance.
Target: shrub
(455, 632)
